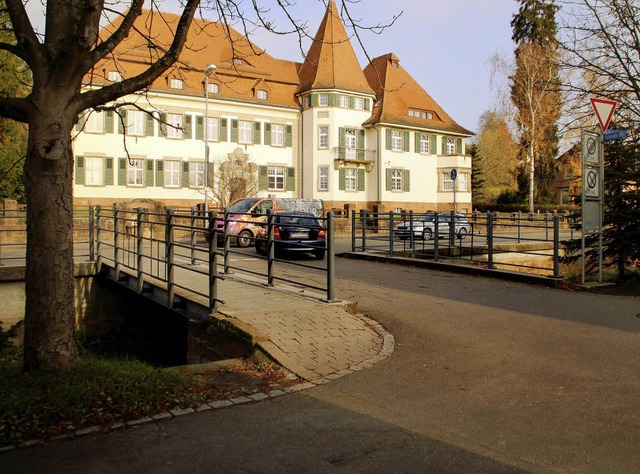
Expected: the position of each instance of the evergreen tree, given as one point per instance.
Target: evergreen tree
(477, 174)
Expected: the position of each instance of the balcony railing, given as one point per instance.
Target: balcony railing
(353, 154)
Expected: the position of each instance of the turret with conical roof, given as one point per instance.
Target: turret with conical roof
(331, 62)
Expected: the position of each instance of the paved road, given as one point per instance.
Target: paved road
(487, 376)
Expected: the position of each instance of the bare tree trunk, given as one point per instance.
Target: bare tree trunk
(49, 314)
(532, 170)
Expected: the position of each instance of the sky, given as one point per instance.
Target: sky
(444, 44)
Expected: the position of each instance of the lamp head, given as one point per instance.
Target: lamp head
(210, 68)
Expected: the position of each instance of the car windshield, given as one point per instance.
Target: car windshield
(242, 206)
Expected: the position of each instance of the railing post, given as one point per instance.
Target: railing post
(271, 248)
(353, 230)
(194, 212)
(116, 242)
(226, 241)
(363, 220)
(412, 239)
(556, 246)
(330, 258)
(519, 225)
(213, 262)
(98, 230)
(139, 251)
(92, 248)
(546, 226)
(436, 242)
(169, 254)
(390, 233)
(490, 239)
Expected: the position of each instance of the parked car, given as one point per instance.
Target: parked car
(424, 226)
(299, 232)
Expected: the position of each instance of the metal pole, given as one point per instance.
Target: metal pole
(546, 226)
(92, 248)
(226, 240)
(169, 253)
(556, 246)
(331, 277)
(213, 263)
(519, 225)
(435, 236)
(194, 211)
(116, 243)
(139, 215)
(411, 236)
(490, 239)
(271, 250)
(363, 220)
(353, 230)
(390, 233)
(98, 210)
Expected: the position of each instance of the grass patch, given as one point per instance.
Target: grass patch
(100, 391)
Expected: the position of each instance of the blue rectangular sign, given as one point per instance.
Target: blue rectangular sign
(612, 135)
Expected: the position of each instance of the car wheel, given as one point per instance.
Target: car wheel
(319, 254)
(462, 233)
(244, 239)
(427, 234)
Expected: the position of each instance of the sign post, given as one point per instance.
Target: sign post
(454, 176)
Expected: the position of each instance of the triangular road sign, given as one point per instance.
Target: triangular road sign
(604, 111)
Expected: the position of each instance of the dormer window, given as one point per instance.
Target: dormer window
(114, 76)
(262, 94)
(358, 103)
(344, 101)
(175, 83)
(323, 100)
(213, 88)
(237, 61)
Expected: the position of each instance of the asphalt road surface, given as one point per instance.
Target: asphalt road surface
(487, 376)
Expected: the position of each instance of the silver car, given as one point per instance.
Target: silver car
(424, 226)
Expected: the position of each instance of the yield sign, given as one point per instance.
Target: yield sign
(604, 111)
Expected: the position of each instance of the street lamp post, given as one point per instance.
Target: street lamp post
(209, 70)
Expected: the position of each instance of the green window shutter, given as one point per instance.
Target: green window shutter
(223, 130)
(79, 169)
(185, 174)
(159, 174)
(234, 130)
(291, 179)
(148, 176)
(443, 150)
(367, 104)
(267, 134)
(288, 138)
(361, 179)
(416, 142)
(314, 100)
(459, 146)
(341, 179)
(262, 178)
(352, 102)
(406, 181)
(334, 100)
(187, 120)
(433, 145)
(122, 120)
(361, 139)
(200, 128)
(388, 172)
(82, 119)
(108, 173)
(122, 171)
(150, 125)
(163, 124)
(108, 121)
(407, 141)
(257, 129)
(341, 137)
(387, 142)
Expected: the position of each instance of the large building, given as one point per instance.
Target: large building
(324, 129)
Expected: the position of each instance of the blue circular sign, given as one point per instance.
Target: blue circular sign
(454, 174)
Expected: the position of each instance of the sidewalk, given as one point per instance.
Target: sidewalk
(309, 337)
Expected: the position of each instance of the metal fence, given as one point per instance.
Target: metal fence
(517, 242)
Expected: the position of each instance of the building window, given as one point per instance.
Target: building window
(565, 196)
(275, 178)
(214, 88)
(174, 126)
(323, 99)
(323, 178)
(451, 146)
(396, 140)
(277, 134)
(358, 103)
(463, 182)
(245, 132)
(350, 144)
(175, 83)
(114, 76)
(95, 122)
(135, 172)
(93, 171)
(196, 174)
(429, 115)
(396, 180)
(262, 94)
(237, 61)
(135, 123)
(424, 143)
(323, 138)
(344, 101)
(350, 179)
(411, 112)
(447, 182)
(172, 173)
(213, 128)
